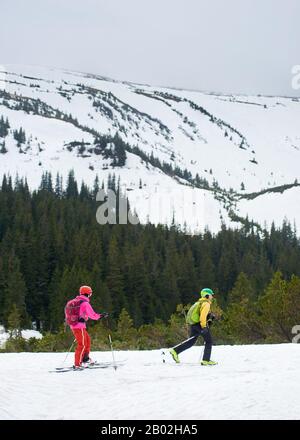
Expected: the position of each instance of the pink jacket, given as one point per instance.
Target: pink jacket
(86, 311)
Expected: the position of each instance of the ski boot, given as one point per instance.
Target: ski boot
(209, 363)
(78, 367)
(174, 355)
(88, 362)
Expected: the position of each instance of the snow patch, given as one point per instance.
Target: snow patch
(26, 334)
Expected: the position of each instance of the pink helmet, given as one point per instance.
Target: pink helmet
(85, 290)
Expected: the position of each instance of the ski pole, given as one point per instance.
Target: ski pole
(111, 346)
(112, 351)
(186, 325)
(68, 352)
(201, 354)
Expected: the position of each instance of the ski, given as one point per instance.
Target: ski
(65, 370)
(89, 367)
(95, 367)
(170, 361)
(105, 365)
(187, 364)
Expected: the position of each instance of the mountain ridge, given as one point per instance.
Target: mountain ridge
(226, 142)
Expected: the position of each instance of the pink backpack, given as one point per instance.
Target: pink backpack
(72, 311)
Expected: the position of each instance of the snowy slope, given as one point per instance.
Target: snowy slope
(234, 141)
(250, 382)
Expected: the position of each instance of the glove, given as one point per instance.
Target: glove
(211, 317)
(103, 315)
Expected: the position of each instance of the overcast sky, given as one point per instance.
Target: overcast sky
(234, 46)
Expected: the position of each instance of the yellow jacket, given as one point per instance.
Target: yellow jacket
(204, 311)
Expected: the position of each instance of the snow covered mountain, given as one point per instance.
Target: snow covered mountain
(201, 159)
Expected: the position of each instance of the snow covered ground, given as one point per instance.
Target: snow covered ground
(26, 334)
(250, 382)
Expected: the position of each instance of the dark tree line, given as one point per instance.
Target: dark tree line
(51, 243)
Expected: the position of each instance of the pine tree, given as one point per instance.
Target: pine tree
(275, 311)
(15, 290)
(46, 182)
(101, 294)
(169, 292)
(3, 149)
(19, 136)
(139, 294)
(242, 289)
(84, 192)
(72, 188)
(207, 271)
(14, 322)
(4, 127)
(96, 187)
(114, 279)
(188, 282)
(227, 264)
(58, 186)
(242, 323)
(119, 157)
(3, 273)
(125, 329)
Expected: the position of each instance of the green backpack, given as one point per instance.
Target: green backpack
(193, 315)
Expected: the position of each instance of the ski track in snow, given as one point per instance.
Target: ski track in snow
(250, 382)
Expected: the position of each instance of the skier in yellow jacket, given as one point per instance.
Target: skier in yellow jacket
(197, 318)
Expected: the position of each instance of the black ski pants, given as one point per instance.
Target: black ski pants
(195, 332)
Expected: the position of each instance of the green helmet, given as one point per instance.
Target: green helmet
(205, 292)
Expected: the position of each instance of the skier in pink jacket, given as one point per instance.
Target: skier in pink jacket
(82, 352)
